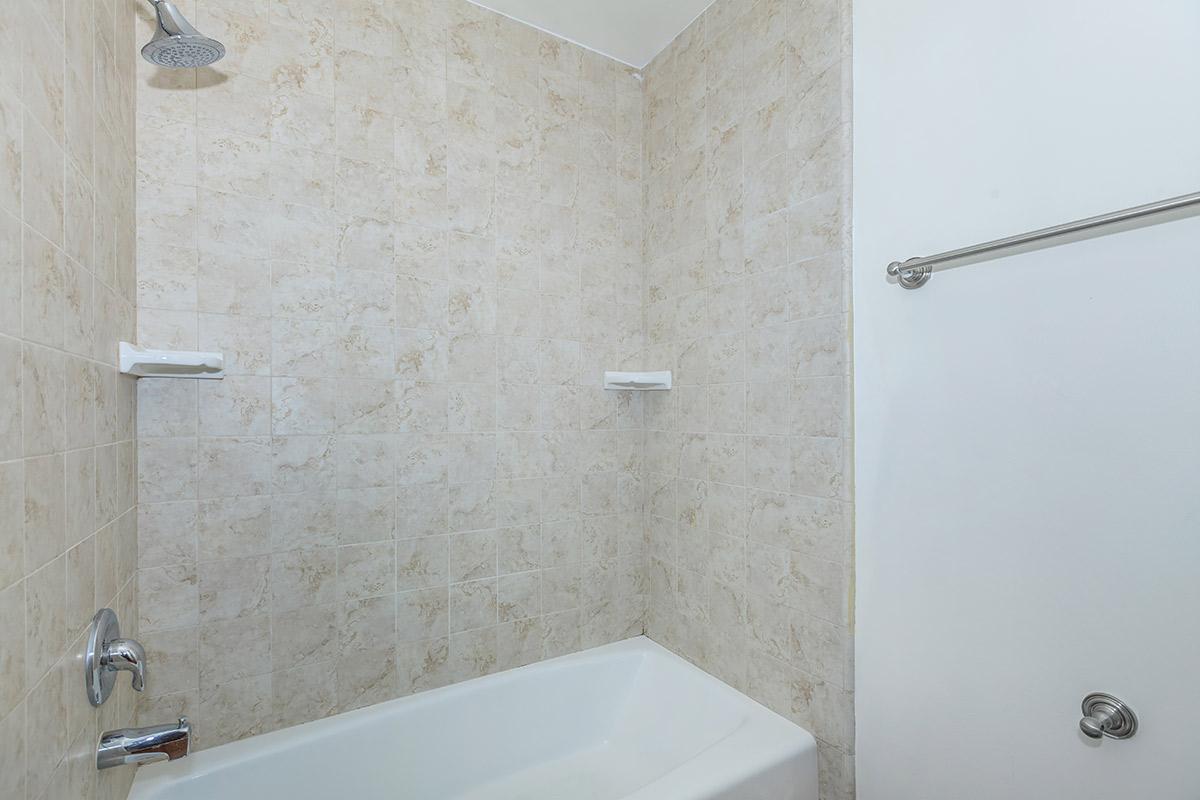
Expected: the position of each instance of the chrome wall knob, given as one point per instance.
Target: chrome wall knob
(1093, 726)
(1105, 715)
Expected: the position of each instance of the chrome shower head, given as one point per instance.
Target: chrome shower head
(176, 44)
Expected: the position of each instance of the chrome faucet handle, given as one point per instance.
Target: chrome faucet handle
(1105, 715)
(107, 654)
(144, 745)
(126, 655)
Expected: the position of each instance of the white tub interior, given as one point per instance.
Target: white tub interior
(605, 724)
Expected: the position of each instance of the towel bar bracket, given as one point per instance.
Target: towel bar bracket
(910, 278)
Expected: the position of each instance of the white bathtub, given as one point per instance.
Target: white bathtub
(628, 720)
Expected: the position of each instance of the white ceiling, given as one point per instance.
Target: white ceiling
(632, 31)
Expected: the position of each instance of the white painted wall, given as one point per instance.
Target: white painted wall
(1028, 430)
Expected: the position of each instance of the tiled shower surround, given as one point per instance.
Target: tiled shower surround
(748, 459)
(419, 232)
(68, 536)
(414, 229)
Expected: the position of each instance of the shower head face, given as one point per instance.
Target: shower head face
(177, 45)
(183, 52)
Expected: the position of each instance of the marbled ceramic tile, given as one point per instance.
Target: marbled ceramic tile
(749, 479)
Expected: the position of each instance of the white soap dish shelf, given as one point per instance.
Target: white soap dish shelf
(638, 381)
(144, 363)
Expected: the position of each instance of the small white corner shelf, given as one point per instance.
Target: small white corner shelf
(170, 363)
(638, 381)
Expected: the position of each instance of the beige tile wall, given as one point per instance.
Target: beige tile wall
(749, 486)
(414, 229)
(68, 535)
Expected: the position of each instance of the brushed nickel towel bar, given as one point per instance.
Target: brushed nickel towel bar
(914, 273)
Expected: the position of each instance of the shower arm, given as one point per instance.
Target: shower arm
(171, 20)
